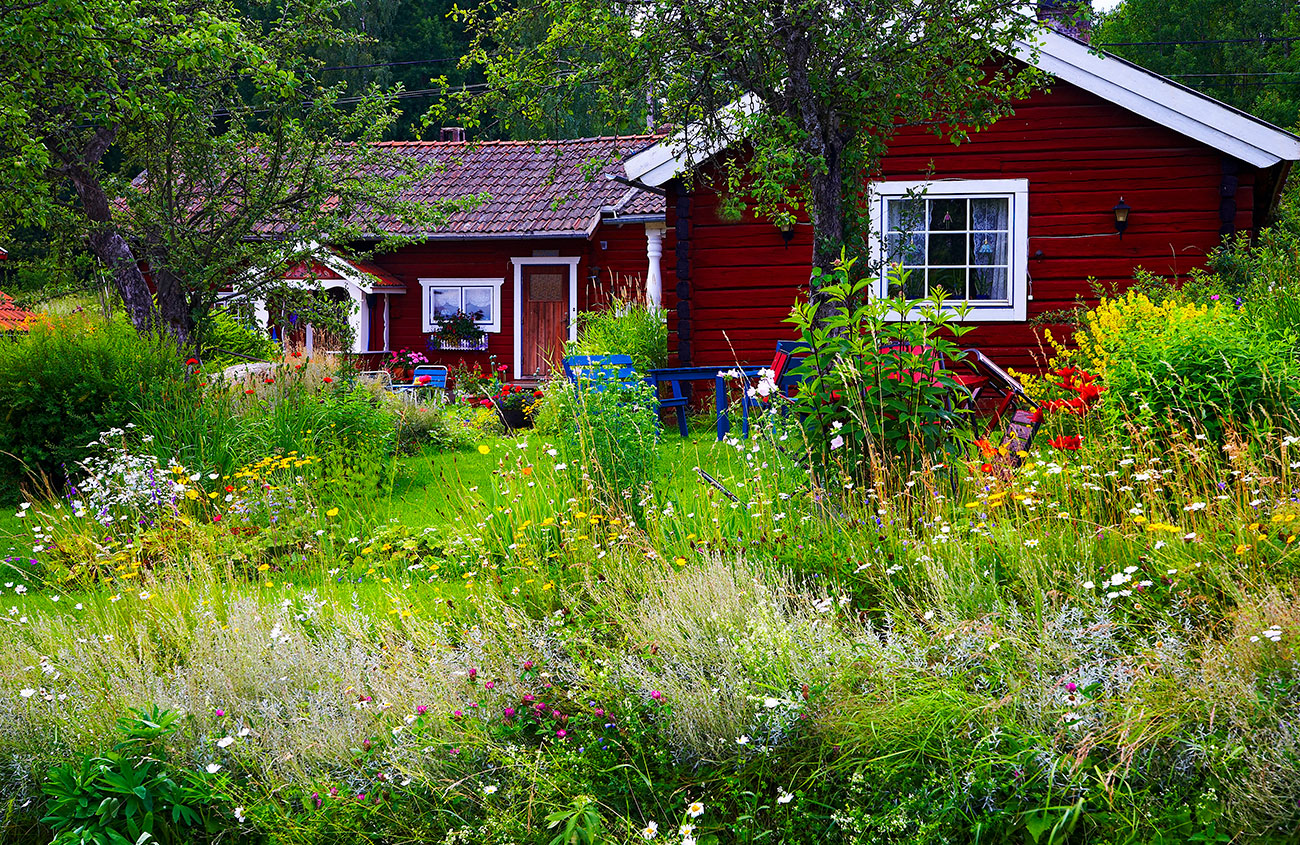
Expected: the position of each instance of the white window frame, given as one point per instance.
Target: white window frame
(1017, 190)
(428, 286)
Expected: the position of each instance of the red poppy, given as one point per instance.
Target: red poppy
(986, 467)
(269, 381)
(193, 362)
(250, 392)
(328, 380)
(1070, 442)
(296, 354)
(203, 384)
(216, 517)
(229, 489)
(537, 394)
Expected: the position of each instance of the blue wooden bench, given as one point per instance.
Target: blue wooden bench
(600, 370)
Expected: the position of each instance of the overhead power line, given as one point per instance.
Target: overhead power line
(1261, 39)
(390, 64)
(1251, 74)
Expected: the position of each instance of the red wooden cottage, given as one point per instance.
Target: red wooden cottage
(1016, 220)
(549, 240)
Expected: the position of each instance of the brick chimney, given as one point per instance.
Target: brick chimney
(451, 133)
(1068, 17)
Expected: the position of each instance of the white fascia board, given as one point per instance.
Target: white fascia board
(1160, 100)
(684, 150)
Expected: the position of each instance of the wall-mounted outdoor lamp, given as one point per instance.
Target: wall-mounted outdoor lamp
(786, 227)
(1121, 210)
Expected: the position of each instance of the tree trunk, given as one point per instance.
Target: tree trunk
(105, 241)
(826, 208)
(174, 311)
(113, 251)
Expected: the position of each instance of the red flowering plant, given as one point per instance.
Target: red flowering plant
(1079, 394)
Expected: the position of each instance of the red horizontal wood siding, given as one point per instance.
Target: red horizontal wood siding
(1079, 153)
(612, 260)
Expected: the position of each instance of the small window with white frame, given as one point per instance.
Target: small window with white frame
(966, 238)
(478, 298)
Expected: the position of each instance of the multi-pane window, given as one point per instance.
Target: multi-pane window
(479, 298)
(474, 301)
(958, 244)
(967, 239)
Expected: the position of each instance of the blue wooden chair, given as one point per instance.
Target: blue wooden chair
(431, 377)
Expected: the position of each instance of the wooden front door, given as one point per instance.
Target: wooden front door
(545, 321)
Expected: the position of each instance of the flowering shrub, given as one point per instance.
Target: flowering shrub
(872, 386)
(405, 359)
(1201, 366)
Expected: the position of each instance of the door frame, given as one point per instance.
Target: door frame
(544, 261)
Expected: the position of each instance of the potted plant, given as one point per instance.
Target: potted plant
(458, 331)
(515, 404)
(402, 364)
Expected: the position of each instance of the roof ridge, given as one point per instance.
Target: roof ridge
(516, 143)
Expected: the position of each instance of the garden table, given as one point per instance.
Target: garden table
(676, 377)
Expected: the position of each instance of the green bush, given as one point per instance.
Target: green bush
(608, 432)
(230, 340)
(67, 380)
(1202, 366)
(625, 328)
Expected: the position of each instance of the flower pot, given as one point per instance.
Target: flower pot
(513, 417)
(402, 375)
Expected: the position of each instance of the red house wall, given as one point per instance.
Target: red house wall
(1079, 153)
(613, 252)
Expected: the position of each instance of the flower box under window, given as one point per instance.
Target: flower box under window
(475, 345)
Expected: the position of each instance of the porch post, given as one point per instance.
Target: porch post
(360, 320)
(387, 313)
(654, 250)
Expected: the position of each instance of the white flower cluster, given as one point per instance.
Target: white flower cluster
(118, 482)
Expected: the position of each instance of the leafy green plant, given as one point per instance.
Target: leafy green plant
(228, 339)
(609, 439)
(132, 794)
(874, 386)
(579, 824)
(624, 328)
(67, 380)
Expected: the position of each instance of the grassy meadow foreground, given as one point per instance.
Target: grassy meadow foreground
(295, 610)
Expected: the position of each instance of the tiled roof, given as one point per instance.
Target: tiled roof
(533, 188)
(366, 273)
(536, 188)
(13, 318)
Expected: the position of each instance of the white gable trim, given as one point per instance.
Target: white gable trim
(1142, 92)
(1160, 100)
(680, 151)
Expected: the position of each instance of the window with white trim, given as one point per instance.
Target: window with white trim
(479, 298)
(967, 238)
